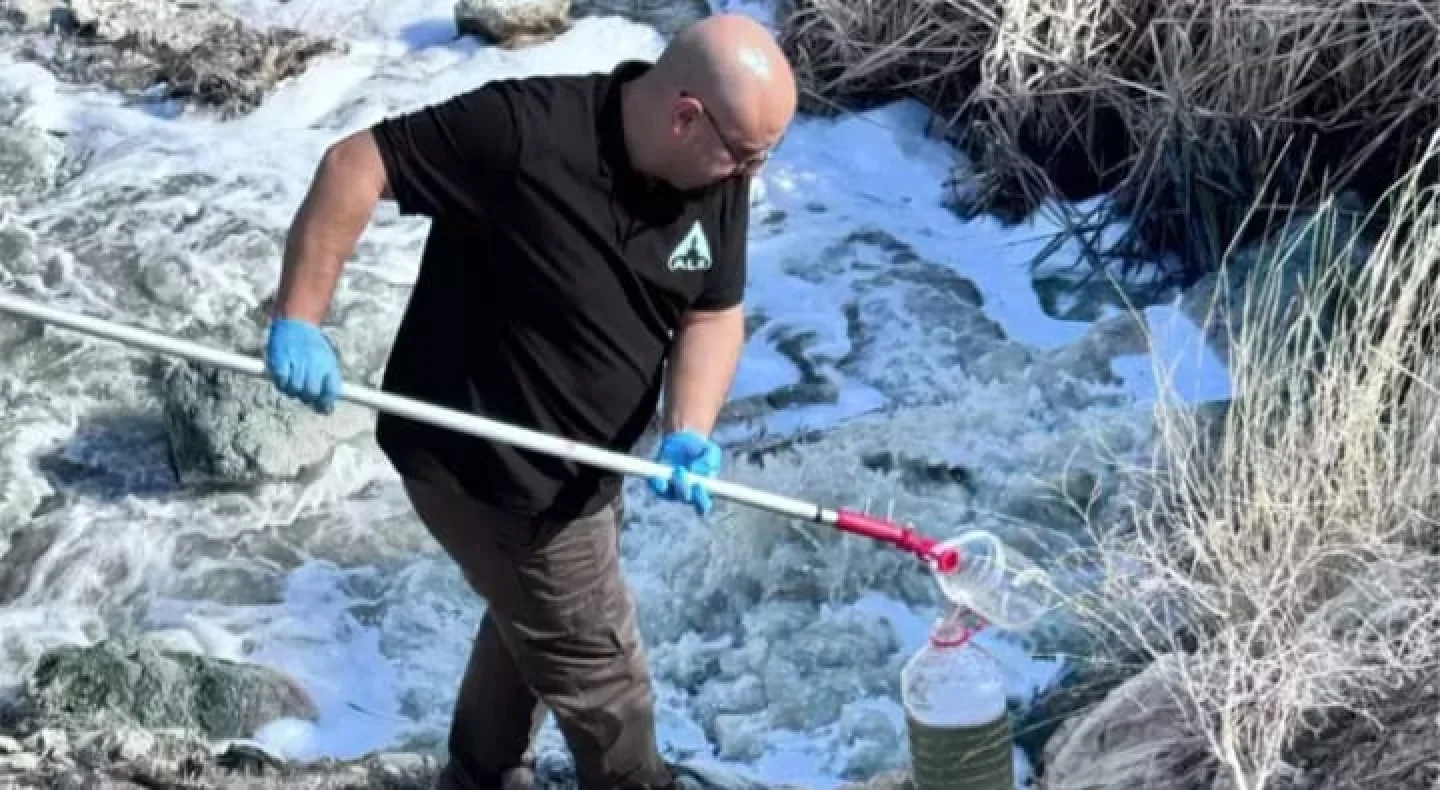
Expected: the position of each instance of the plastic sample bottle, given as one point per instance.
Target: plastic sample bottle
(955, 712)
(997, 582)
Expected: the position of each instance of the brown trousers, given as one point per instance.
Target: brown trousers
(559, 632)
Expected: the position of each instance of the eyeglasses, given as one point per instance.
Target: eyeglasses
(743, 160)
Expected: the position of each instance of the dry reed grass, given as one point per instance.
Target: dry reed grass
(1293, 555)
(1177, 107)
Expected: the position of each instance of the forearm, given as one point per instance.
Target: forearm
(702, 368)
(348, 184)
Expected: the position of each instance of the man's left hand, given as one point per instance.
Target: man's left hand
(691, 455)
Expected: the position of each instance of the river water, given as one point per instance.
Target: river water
(867, 293)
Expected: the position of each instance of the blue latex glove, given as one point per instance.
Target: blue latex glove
(690, 454)
(302, 364)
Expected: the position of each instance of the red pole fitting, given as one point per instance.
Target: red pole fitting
(863, 524)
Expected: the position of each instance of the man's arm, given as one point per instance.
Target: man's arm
(702, 368)
(446, 160)
(348, 184)
(711, 334)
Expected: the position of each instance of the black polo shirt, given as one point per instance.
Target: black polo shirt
(550, 284)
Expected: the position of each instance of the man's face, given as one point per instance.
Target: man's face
(709, 147)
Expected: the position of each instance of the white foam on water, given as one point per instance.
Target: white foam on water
(332, 580)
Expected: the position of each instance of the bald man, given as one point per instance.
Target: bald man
(586, 257)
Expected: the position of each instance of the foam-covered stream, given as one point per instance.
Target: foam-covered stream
(778, 651)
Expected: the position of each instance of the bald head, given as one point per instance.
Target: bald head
(723, 79)
(734, 62)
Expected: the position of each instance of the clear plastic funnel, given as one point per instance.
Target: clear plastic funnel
(1000, 584)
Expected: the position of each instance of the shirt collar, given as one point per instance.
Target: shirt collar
(614, 157)
(631, 186)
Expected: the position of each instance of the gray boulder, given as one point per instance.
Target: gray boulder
(513, 24)
(113, 685)
(227, 429)
(1138, 738)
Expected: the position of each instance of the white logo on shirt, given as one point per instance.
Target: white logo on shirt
(692, 254)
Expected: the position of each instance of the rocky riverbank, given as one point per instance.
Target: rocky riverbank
(155, 52)
(135, 717)
(116, 715)
(202, 55)
(755, 636)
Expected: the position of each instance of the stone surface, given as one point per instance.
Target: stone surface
(178, 763)
(1136, 739)
(513, 24)
(228, 429)
(152, 49)
(110, 685)
(1083, 687)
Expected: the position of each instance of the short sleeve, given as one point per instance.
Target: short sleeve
(725, 282)
(450, 159)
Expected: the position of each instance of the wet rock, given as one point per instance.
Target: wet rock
(109, 685)
(151, 49)
(227, 429)
(1079, 690)
(668, 17)
(176, 763)
(1138, 738)
(1108, 338)
(175, 25)
(513, 24)
(135, 758)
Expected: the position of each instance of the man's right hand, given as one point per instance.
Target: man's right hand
(302, 364)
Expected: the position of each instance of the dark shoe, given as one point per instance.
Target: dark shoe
(694, 777)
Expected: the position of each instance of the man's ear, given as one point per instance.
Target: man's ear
(684, 113)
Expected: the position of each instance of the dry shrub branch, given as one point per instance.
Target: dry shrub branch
(1177, 107)
(1290, 550)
